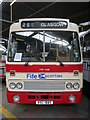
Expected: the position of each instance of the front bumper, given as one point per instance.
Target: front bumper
(57, 98)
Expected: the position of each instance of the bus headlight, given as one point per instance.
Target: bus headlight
(76, 86)
(72, 98)
(69, 85)
(16, 98)
(12, 85)
(19, 85)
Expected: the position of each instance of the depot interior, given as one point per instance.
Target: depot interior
(20, 10)
(76, 12)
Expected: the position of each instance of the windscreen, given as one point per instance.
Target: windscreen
(44, 46)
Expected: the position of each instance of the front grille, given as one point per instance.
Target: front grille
(31, 97)
(44, 85)
(44, 96)
(57, 97)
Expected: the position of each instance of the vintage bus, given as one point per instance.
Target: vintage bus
(86, 58)
(86, 61)
(44, 62)
(85, 43)
(86, 68)
(2, 62)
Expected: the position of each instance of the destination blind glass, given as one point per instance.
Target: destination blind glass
(44, 24)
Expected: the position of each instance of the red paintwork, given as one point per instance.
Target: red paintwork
(64, 97)
(2, 66)
(2, 76)
(44, 68)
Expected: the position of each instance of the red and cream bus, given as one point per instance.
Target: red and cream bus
(85, 40)
(44, 62)
(2, 62)
(2, 67)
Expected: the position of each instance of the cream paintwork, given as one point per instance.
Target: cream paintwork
(17, 26)
(65, 75)
(21, 77)
(44, 63)
(22, 90)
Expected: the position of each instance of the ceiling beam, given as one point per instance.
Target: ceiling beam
(12, 2)
(7, 21)
(33, 9)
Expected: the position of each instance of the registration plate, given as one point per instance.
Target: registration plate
(44, 102)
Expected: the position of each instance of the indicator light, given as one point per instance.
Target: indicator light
(76, 72)
(12, 72)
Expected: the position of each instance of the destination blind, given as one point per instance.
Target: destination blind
(44, 24)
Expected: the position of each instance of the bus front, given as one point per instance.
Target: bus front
(44, 62)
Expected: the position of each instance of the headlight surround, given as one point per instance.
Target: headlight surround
(76, 86)
(69, 85)
(19, 85)
(12, 85)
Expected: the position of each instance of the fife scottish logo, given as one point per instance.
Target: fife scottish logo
(43, 76)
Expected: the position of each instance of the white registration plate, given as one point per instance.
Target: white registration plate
(44, 102)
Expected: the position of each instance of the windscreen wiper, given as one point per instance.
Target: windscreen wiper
(61, 62)
(26, 63)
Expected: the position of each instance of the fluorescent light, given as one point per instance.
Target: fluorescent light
(3, 39)
(85, 23)
(48, 38)
(27, 34)
(81, 34)
(1, 1)
(2, 48)
(51, 39)
(69, 47)
(12, 2)
(1, 42)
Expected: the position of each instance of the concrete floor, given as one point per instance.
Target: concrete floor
(55, 111)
